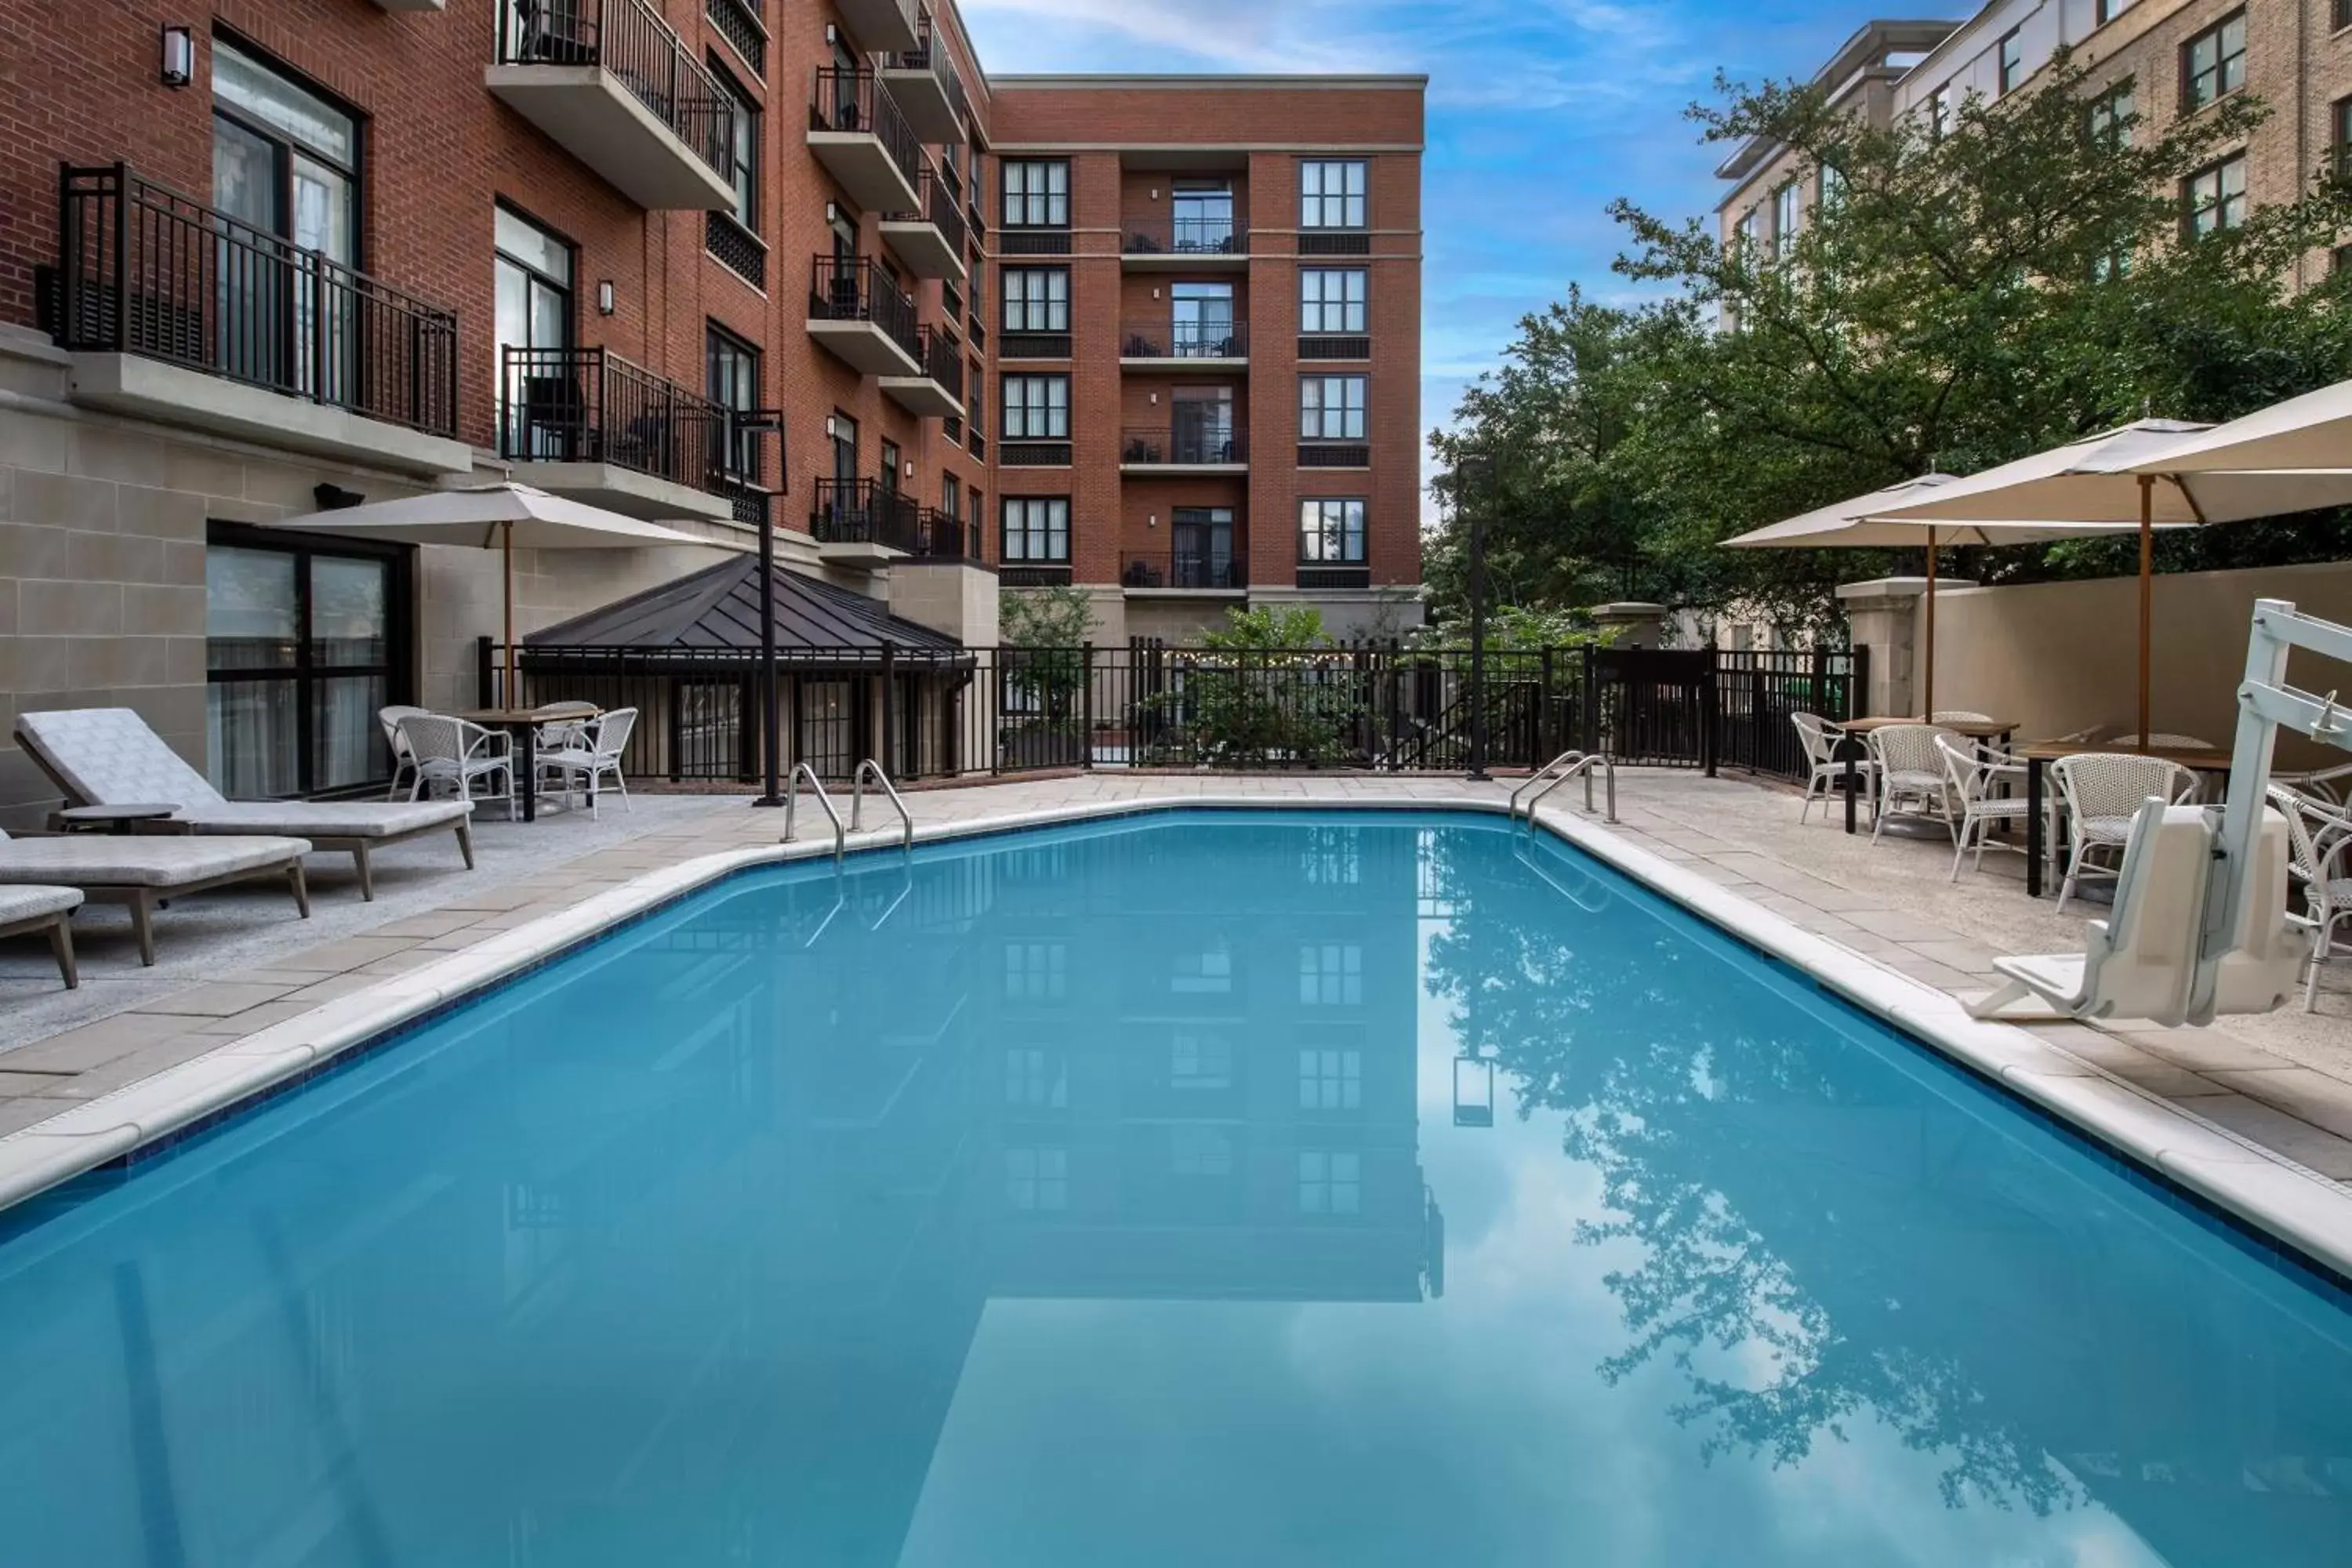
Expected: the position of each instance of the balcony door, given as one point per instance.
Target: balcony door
(1203, 319)
(540, 399)
(1205, 216)
(285, 179)
(1203, 553)
(1204, 429)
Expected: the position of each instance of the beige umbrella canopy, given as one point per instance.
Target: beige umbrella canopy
(1858, 523)
(499, 517)
(2107, 479)
(2313, 432)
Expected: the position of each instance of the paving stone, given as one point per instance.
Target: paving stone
(2325, 1102)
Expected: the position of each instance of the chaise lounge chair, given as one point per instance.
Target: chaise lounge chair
(34, 908)
(142, 869)
(108, 756)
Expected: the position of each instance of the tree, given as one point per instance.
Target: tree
(1043, 666)
(1270, 690)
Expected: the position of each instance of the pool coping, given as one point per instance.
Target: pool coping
(2305, 1211)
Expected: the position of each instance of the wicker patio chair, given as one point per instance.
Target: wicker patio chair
(597, 757)
(1975, 773)
(1911, 769)
(1823, 767)
(2101, 792)
(454, 753)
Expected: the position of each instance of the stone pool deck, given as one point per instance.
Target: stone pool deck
(2282, 1083)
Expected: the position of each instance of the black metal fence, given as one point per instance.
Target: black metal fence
(1381, 707)
(588, 406)
(142, 270)
(857, 288)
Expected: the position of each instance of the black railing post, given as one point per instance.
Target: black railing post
(1588, 704)
(1857, 680)
(1710, 697)
(1087, 705)
(1544, 752)
(483, 652)
(119, 337)
(888, 752)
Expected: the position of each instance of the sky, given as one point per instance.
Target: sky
(1540, 111)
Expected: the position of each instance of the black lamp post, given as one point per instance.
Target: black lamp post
(771, 725)
(1471, 477)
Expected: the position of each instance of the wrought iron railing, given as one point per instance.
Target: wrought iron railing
(739, 248)
(849, 99)
(930, 54)
(941, 536)
(737, 21)
(142, 270)
(1193, 568)
(1218, 339)
(1335, 345)
(1186, 442)
(865, 511)
(857, 288)
(590, 405)
(1163, 235)
(629, 40)
(942, 357)
(934, 205)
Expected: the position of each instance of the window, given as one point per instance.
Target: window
(2105, 11)
(1831, 185)
(742, 169)
(1331, 299)
(1208, 973)
(2213, 62)
(1037, 193)
(1788, 217)
(2339, 120)
(532, 281)
(1203, 315)
(952, 496)
(1037, 527)
(1748, 230)
(2107, 122)
(1939, 113)
(1035, 971)
(1331, 1181)
(1036, 1077)
(1331, 407)
(1203, 211)
(889, 467)
(979, 290)
(2216, 197)
(1197, 1151)
(1331, 532)
(1331, 974)
(1036, 299)
(1201, 1062)
(2012, 60)
(1036, 409)
(1037, 1180)
(732, 380)
(1330, 1081)
(1331, 194)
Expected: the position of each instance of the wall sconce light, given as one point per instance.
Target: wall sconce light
(1151, 520)
(830, 429)
(604, 298)
(1155, 290)
(179, 57)
(832, 211)
(1155, 399)
(910, 467)
(832, 35)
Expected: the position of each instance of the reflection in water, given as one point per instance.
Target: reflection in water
(1075, 1200)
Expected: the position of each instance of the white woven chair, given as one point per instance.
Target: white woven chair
(2317, 838)
(1823, 767)
(598, 756)
(2101, 793)
(1960, 716)
(1911, 769)
(404, 761)
(1975, 773)
(567, 726)
(2329, 786)
(2177, 742)
(461, 755)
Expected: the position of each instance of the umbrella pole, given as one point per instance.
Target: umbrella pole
(1928, 681)
(2147, 593)
(506, 555)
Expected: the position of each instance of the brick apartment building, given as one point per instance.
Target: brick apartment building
(261, 255)
(2157, 59)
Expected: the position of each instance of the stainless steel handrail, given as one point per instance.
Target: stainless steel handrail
(1573, 764)
(857, 802)
(792, 803)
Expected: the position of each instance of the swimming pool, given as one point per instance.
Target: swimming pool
(1235, 1188)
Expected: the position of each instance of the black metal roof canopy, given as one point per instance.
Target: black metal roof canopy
(712, 617)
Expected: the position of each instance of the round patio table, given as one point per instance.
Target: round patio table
(1850, 747)
(521, 726)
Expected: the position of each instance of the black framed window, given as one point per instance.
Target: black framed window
(731, 377)
(1036, 193)
(2105, 11)
(743, 152)
(1787, 219)
(1036, 409)
(2339, 125)
(1331, 299)
(2108, 118)
(1331, 407)
(2213, 63)
(1331, 192)
(976, 384)
(305, 641)
(2012, 60)
(2214, 197)
(1036, 299)
(1037, 529)
(1331, 531)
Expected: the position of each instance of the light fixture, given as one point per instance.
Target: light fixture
(832, 211)
(179, 57)
(831, 430)
(604, 296)
(1151, 520)
(832, 35)
(910, 467)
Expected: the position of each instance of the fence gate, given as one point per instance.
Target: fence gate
(1651, 706)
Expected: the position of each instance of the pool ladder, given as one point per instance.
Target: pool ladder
(824, 802)
(869, 768)
(1557, 772)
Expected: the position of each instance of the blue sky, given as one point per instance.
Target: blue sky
(1540, 112)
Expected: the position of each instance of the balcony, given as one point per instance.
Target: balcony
(612, 85)
(937, 392)
(1188, 447)
(928, 91)
(929, 236)
(857, 312)
(864, 523)
(1211, 345)
(864, 143)
(176, 312)
(1214, 571)
(880, 24)
(940, 537)
(1183, 244)
(587, 424)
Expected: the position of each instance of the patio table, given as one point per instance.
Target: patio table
(1850, 747)
(521, 726)
(2039, 849)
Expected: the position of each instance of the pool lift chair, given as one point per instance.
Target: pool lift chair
(2201, 927)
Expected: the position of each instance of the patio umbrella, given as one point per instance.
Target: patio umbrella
(1859, 523)
(500, 516)
(2313, 432)
(2101, 480)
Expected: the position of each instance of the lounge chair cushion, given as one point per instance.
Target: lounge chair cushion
(33, 900)
(139, 860)
(108, 756)
(324, 819)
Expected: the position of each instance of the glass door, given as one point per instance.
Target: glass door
(1203, 541)
(1204, 429)
(542, 403)
(1203, 319)
(1205, 216)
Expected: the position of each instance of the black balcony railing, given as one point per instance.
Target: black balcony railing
(589, 406)
(1197, 568)
(142, 270)
(628, 40)
(1033, 241)
(857, 288)
(1188, 442)
(935, 205)
(1033, 345)
(738, 22)
(931, 55)
(941, 537)
(942, 357)
(1215, 339)
(849, 99)
(865, 511)
(1335, 455)
(1158, 236)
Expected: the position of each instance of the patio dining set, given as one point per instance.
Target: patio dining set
(1962, 772)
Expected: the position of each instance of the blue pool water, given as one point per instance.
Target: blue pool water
(1203, 1189)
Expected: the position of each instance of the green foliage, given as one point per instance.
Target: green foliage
(1515, 629)
(1959, 302)
(1045, 618)
(1272, 692)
